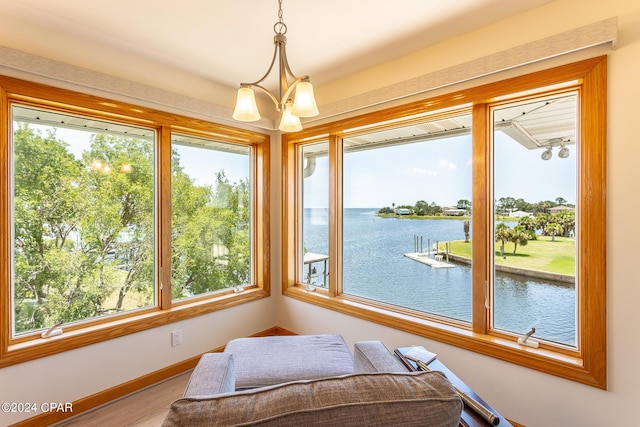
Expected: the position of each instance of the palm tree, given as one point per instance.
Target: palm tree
(518, 237)
(553, 229)
(542, 219)
(566, 219)
(502, 236)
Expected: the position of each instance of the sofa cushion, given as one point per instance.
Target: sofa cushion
(264, 361)
(371, 399)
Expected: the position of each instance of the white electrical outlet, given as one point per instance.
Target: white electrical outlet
(176, 338)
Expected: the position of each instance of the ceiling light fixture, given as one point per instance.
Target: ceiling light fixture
(303, 104)
(546, 154)
(564, 152)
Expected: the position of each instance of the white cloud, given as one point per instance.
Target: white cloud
(422, 172)
(447, 165)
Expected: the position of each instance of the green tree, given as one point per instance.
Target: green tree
(421, 208)
(553, 229)
(83, 227)
(434, 209)
(542, 219)
(119, 225)
(541, 207)
(506, 205)
(210, 246)
(528, 224)
(518, 236)
(567, 220)
(522, 205)
(47, 209)
(502, 235)
(464, 204)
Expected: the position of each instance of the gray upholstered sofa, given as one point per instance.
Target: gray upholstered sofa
(373, 388)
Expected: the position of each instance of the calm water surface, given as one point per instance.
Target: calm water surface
(375, 267)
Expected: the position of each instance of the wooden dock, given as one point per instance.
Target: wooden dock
(424, 258)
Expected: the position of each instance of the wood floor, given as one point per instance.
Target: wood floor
(146, 408)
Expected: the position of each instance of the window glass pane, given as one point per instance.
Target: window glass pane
(406, 218)
(210, 214)
(83, 218)
(315, 215)
(535, 181)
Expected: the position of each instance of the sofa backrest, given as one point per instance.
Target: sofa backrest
(373, 356)
(371, 399)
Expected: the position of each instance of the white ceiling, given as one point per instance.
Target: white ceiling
(229, 41)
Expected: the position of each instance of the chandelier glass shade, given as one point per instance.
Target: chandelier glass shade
(246, 109)
(295, 97)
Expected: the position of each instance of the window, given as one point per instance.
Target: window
(535, 201)
(315, 222)
(453, 221)
(116, 218)
(210, 211)
(83, 218)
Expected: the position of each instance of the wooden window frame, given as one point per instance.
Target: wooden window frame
(14, 350)
(587, 363)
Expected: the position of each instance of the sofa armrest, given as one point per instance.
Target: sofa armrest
(214, 374)
(373, 356)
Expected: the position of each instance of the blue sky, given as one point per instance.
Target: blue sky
(440, 171)
(202, 165)
(435, 171)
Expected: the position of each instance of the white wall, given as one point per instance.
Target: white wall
(524, 395)
(527, 396)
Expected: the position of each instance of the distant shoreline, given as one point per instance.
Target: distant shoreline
(465, 217)
(440, 217)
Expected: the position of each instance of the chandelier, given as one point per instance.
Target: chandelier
(303, 103)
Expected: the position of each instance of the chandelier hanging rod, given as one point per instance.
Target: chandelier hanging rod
(303, 104)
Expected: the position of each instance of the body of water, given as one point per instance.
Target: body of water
(375, 267)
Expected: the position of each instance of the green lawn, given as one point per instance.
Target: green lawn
(543, 254)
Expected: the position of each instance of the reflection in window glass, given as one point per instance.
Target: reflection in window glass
(406, 219)
(83, 218)
(210, 216)
(315, 214)
(534, 175)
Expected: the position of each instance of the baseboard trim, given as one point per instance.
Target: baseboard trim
(117, 392)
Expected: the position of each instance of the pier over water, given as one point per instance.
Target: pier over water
(424, 258)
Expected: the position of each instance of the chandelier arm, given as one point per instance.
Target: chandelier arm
(285, 96)
(273, 61)
(263, 89)
(287, 68)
